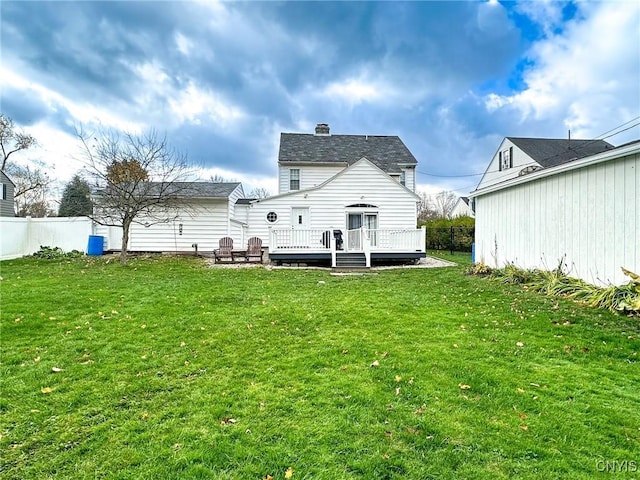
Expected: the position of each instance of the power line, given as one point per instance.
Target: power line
(575, 149)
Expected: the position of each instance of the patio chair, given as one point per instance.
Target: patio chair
(223, 252)
(254, 250)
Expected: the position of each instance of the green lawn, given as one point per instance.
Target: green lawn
(171, 370)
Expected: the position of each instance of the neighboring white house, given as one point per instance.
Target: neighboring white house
(584, 212)
(208, 215)
(343, 198)
(7, 206)
(462, 208)
(518, 156)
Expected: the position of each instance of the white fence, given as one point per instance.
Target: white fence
(24, 236)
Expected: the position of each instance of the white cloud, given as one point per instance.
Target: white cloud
(546, 13)
(586, 77)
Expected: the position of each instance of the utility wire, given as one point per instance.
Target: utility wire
(575, 149)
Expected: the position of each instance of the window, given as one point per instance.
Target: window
(272, 217)
(4, 191)
(403, 178)
(505, 160)
(294, 179)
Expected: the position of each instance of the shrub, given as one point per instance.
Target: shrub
(623, 298)
(54, 253)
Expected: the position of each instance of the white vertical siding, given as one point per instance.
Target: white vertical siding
(590, 217)
(361, 183)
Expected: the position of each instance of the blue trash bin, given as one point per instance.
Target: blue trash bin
(473, 252)
(96, 245)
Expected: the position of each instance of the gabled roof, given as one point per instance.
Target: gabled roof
(333, 178)
(550, 152)
(385, 152)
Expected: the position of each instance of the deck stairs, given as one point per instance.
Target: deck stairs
(350, 261)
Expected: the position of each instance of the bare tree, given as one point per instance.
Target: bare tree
(444, 202)
(259, 192)
(31, 182)
(426, 210)
(12, 140)
(32, 187)
(139, 179)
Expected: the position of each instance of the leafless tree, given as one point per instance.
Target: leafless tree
(138, 179)
(444, 202)
(426, 210)
(12, 140)
(31, 181)
(259, 192)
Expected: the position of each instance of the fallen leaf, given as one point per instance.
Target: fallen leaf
(47, 390)
(56, 370)
(268, 477)
(520, 344)
(463, 386)
(144, 416)
(398, 378)
(524, 427)
(288, 473)
(182, 344)
(398, 391)
(376, 363)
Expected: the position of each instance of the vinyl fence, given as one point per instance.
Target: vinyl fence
(25, 236)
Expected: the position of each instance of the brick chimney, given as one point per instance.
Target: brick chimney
(322, 129)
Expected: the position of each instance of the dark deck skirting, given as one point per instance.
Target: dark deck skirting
(375, 256)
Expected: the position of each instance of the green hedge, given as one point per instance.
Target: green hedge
(455, 234)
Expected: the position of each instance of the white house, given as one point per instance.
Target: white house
(583, 212)
(208, 215)
(343, 200)
(462, 208)
(518, 156)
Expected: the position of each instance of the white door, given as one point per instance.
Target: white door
(354, 222)
(301, 235)
(371, 224)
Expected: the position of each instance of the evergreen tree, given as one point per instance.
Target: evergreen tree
(76, 199)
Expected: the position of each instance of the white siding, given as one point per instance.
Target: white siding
(310, 175)
(203, 222)
(361, 183)
(589, 216)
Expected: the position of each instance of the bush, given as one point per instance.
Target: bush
(623, 298)
(54, 253)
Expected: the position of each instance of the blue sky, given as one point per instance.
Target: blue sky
(224, 79)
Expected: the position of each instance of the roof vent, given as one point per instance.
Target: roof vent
(322, 129)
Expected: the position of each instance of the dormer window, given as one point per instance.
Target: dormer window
(403, 178)
(294, 179)
(505, 160)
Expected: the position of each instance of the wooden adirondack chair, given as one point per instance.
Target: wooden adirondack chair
(254, 250)
(223, 252)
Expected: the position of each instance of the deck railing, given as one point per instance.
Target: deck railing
(379, 240)
(297, 239)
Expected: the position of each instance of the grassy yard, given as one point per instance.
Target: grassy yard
(166, 369)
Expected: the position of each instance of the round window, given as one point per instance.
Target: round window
(272, 217)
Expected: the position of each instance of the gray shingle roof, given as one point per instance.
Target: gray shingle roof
(550, 152)
(386, 152)
(205, 189)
